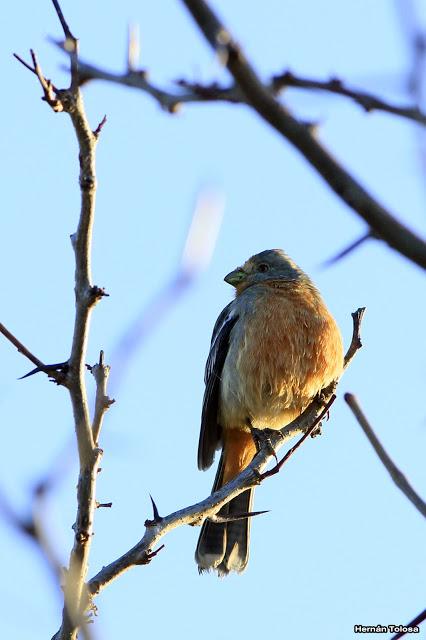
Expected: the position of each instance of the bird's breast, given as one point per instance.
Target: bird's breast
(285, 348)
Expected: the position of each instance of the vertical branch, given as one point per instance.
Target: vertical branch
(100, 372)
(86, 296)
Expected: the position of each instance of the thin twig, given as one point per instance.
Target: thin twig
(397, 476)
(49, 90)
(21, 347)
(356, 343)
(343, 253)
(367, 101)
(25, 64)
(381, 221)
(295, 447)
(70, 46)
(50, 370)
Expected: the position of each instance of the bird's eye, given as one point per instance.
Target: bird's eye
(263, 268)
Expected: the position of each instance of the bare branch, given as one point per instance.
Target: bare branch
(381, 221)
(313, 423)
(367, 101)
(25, 64)
(195, 92)
(97, 131)
(49, 90)
(86, 296)
(100, 372)
(21, 348)
(56, 371)
(157, 528)
(356, 343)
(138, 79)
(397, 476)
(70, 46)
(197, 513)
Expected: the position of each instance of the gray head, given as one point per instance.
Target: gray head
(268, 266)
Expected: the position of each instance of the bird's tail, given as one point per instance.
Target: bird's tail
(224, 547)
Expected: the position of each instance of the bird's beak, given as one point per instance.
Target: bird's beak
(235, 277)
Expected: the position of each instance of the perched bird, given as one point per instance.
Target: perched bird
(274, 347)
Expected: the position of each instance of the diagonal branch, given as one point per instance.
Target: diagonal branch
(367, 101)
(194, 515)
(397, 476)
(157, 528)
(55, 372)
(421, 617)
(343, 253)
(381, 221)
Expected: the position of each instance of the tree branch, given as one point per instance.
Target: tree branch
(356, 343)
(195, 92)
(157, 528)
(397, 476)
(100, 372)
(86, 296)
(413, 623)
(366, 100)
(381, 221)
(194, 515)
(55, 371)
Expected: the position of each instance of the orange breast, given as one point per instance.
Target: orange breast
(290, 350)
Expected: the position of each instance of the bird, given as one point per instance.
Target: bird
(273, 349)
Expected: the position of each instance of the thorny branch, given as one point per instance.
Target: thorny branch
(382, 222)
(86, 296)
(157, 528)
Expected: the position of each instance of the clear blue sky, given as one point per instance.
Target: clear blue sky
(340, 546)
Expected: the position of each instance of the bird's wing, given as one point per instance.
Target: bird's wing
(210, 433)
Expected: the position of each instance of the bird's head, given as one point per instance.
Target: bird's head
(272, 265)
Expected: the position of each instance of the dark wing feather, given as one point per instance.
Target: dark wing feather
(210, 433)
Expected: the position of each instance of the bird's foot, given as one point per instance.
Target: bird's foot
(263, 439)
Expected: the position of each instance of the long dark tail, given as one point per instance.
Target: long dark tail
(224, 547)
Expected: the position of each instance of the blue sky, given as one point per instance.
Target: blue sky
(340, 546)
